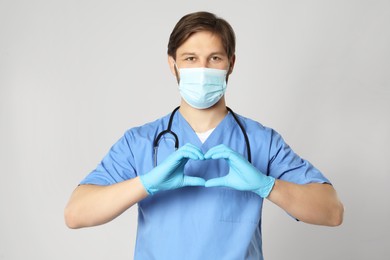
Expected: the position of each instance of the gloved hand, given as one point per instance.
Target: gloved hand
(242, 175)
(169, 174)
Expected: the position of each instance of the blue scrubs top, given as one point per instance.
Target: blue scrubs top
(198, 222)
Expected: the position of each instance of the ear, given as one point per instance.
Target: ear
(231, 64)
(171, 63)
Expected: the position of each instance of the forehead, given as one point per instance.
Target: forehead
(202, 42)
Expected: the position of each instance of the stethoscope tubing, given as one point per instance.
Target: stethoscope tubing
(169, 131)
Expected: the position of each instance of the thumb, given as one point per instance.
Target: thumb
(216, 182)
(193, 181)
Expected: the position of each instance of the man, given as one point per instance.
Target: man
(204, 200)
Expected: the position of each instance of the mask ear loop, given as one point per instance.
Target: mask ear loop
(228, 74)
(177, 72)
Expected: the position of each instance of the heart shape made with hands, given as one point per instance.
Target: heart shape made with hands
(242, 174)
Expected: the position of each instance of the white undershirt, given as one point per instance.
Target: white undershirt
(203, 136)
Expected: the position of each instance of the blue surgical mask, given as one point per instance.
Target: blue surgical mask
(201, 88)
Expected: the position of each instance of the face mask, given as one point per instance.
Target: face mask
(201, 88)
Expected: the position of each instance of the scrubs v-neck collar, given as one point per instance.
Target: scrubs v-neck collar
(188, 135)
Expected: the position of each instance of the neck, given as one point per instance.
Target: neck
(202, 120)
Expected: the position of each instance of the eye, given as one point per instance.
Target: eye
(216, 58)
(190, 58)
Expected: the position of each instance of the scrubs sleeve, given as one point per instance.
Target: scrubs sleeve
(116, 166)
(286, 165)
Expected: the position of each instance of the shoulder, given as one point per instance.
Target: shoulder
(148, 129)
(259, 134)
(254, 127)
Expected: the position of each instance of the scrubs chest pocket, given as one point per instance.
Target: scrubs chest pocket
(240, 206)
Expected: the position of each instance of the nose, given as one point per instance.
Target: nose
(204, 63)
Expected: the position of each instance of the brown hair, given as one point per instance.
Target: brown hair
(202, 21)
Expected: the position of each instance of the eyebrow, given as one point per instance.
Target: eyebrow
(218, 53)
(187, 53)
(211, 54)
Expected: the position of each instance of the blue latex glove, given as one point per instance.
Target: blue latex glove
(169, 174)
(242, 175)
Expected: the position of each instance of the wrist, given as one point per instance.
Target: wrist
(267, 185)
(146, 184)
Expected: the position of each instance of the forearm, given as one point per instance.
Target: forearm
(313, 203)
(92, 205)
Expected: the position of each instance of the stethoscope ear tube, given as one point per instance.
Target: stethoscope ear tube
(248, 147)
(167, 131)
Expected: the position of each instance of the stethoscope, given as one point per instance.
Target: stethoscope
(169, 131)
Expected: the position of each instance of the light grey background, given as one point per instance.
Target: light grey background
(74, 75)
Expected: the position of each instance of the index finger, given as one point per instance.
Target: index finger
(218, 152)
(189, 151)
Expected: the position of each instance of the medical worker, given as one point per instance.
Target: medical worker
(203, 199)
